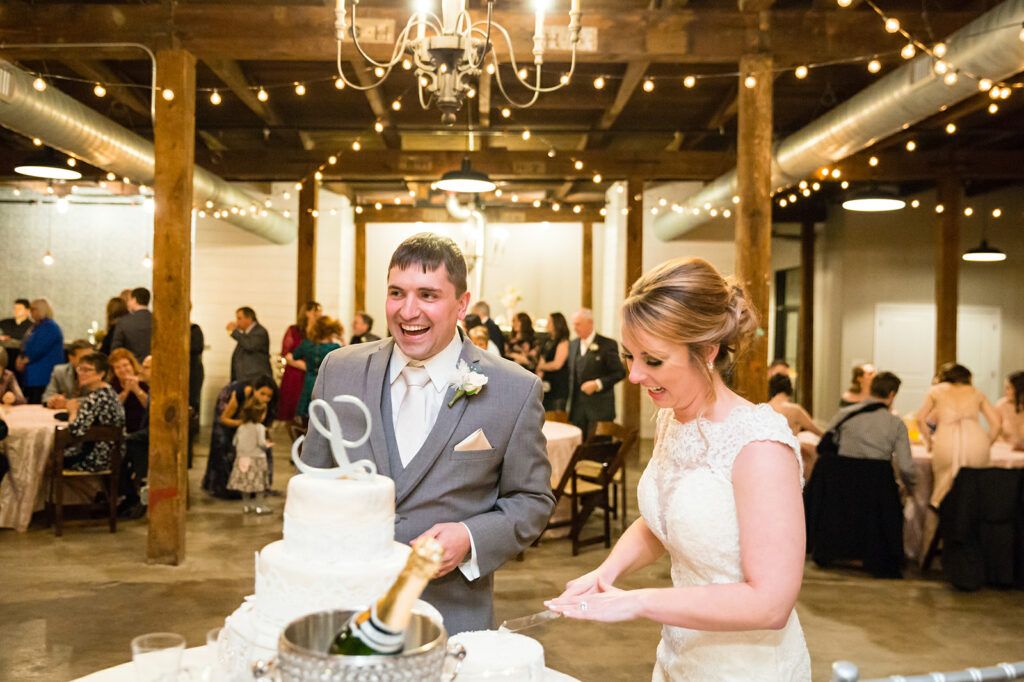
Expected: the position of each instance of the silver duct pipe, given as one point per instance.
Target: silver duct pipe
(65, 124)
(988, 47)
(472, 214)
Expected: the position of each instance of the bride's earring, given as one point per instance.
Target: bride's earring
(711, 366)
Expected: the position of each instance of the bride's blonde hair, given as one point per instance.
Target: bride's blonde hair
(685, 301)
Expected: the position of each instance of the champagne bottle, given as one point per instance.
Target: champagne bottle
(380, 630)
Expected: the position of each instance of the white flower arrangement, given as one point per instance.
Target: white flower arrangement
(467, 381)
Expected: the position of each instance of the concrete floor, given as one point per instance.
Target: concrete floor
(70, 605)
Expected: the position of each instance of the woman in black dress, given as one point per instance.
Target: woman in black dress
(100, 407)
(553, 367)
(226, 420)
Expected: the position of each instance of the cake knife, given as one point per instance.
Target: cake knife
(517, 624)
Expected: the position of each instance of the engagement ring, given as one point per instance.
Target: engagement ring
(583, 605)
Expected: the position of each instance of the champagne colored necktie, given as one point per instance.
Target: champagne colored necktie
(413, 425)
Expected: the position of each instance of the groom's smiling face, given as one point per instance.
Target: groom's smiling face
(422, 310)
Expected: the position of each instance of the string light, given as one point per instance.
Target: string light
(689, 82)
(950, 78)
(298, 185)
(844, 184)
(406, 63)
(939, 208)
(359, 209)
(993, 108)
(578, 165)
(749, 82)
(356, 146)
(908, 51)
(506, 112)
(286, 196)
(556, 206)
(563, 79)
(816, 186)
(997, 212)
(72, 162)
(37, 142)
(339, 84)
(801, 72)
(526, 134)
(536, 203)
(300, 89)
(873, 161)
(985, 84)
(911, 145)
(892, 25)
(950, 128)
(836, 173)
(99, 90)
(597, 178)
(599, 82)
(378, 126)
(215, 98)
(968, 211)
(915, 203)
(379, 72)
(551, 153)
(939, 50)
(262, 95)
(332, 159)
(396, 105)
(803, 184)
(1004, 93)
(378, 206)
(941, 67)
(783, 203)
(648, 85)
(48, 258)
(318, 176)
(167, 94)
(522, 72)
(39, 84)
(147, 261)
(874, 66)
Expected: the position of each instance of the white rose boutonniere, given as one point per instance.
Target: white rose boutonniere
(593, 346)
(467, 381)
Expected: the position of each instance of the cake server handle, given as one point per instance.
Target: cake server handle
(457, 653)
(517, 624)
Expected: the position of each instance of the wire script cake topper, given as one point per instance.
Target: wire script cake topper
(360, 470)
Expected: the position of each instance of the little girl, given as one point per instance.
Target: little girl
(249, 473)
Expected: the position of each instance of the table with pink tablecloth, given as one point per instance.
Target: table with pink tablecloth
(562, 442)
(28, 446)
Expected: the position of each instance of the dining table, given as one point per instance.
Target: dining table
(29, 441)
(562, 440)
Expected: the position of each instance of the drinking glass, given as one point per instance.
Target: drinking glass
(211, 670)
(157, 656)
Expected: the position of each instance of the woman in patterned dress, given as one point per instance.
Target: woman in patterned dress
(721, 494)
(311, 352)
(101, 407)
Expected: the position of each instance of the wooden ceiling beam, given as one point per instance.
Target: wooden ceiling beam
(635, 72)
(898, 165)
(494, 214)
(101, 73)
(392, 140)
(304, 33)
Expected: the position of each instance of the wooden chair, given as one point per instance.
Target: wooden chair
(584, 495)
(556, 416)
(627, 438)
(63, 439)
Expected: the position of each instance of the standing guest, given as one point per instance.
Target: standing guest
(594, 368)
(251, 357)
(483, 310)
(361, 326)
(778, 366)
(249, 472)
(10, 391)
(225, 420)
(860, 385)
(295, 371)
(135, 331)
(135, 466)
(553, 367)
(196, 376)
(522, 345)
(311, 353)
(63, 384)
(721, 494)
(41, 350)
(99, 407)
(116, 309)
(131, 390)
(958, 441)
(1011, 410)
(16, 327)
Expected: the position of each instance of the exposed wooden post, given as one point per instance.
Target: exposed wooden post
(947, 268)
(174, 150)
(305, 289)
(805, 345)
(634, 268)
(359, 271)
(754, 214)
(587, 293)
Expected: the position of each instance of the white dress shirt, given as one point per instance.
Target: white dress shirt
(584, 347)
(441, 369)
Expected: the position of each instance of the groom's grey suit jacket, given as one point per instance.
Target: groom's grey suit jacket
(503, 494)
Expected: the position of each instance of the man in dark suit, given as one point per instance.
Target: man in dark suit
(251, 359)
(493, 330)
(135, 330)
(361, 326)
(594, 368)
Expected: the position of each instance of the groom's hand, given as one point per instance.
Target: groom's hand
(454, 537)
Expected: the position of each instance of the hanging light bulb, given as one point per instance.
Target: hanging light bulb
(111, 177)
(48, 259)
(689, 82)
(915, 203)
(939, 50)
(147, 262)
(801, 72)
(873, 161)
(874, 66)
(578, 165)
(99, 90)
(939, 208)
(892, 25)
(950, 78)
(950, 128)
(215, 98)
(599, 82)
(356, 146)
(262, 95)
(40, 85)
(526, 134)
(993, 108)
(339, 84)
(997, 212)
(968, 211)
(37, 142)
(749, 82)
(536, 203)
(332, 159)
(597, 178)
(318, 176)
(908, 51)
(300, 89)
(843, 3)
(379, 72)
(506, 112)
(836, 173)
(985, 84)
(911, 145)
(406, 63)
(648, 85)
(167, 94)
(396, 105)
(378, 126)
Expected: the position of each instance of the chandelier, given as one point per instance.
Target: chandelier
(449, 53)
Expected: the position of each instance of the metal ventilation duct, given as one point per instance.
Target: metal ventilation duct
(989, 47)
(65, 124)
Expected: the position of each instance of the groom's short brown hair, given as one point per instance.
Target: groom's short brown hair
(430, 251)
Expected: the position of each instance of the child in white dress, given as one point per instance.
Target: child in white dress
(249, 472)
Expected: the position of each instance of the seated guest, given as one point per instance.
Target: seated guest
(482, 310)
(1011, 408)
(116, 309)
(135, 466)
(877, 434)
(63, 383)
(778, 366)
(131, 390)
(553, 367)
(479, 336)
(10, 391)
(311, 352)
(41, 350)
(100, 407)
(226, 421)
(471, 321)
(522, 345)
(860, 385)
(780, 392)
(361, 326)
(17, 326)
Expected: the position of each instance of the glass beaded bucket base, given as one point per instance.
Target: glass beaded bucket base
(301, 653)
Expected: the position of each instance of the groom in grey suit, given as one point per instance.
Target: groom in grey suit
(474, 473)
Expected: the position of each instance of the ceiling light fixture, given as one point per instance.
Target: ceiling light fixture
(984, 253)
(47, 164)
(874, 200)
(465, 180)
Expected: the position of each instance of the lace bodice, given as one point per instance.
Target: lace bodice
(686, 499)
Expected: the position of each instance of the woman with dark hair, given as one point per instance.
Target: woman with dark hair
(226, 421)
(295, 369)
(131, 390)
(522, 348)
(553, 368)
(116, 309)
(958, 441)
(312, 351)
(860, 385)
(10, 391)
(1011, 409)
(100, 407)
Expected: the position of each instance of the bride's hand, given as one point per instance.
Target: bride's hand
(585, 584)
(604, 602)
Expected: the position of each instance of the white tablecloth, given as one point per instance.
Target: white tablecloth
(562, 441)
(28, 447)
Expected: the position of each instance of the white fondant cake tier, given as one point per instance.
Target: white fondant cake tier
(495, 655)
(341, 502)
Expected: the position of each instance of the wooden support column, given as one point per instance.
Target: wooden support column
(634, 268)
(305, 289)
(587, 293)
(359, 271)
(805, 345)
(174, 148)
(754, 214)
(947, 268)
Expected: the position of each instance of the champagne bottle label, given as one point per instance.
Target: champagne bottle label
(376, 634)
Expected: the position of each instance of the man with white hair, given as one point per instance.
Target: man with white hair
(594, 369)
(493, 330)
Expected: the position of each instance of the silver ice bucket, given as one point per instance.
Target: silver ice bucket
(301, 653)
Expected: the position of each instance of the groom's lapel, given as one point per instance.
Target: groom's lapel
(447, 419)
(376, 379)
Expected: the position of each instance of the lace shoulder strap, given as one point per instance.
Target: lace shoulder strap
(760, 422)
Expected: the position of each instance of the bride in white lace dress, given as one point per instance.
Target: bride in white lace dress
(722, 494)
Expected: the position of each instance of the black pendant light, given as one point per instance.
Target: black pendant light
(984, 253)
(465, 180)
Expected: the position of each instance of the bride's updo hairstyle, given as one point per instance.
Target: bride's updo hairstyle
(685, 301)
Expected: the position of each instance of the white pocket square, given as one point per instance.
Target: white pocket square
(475, 441)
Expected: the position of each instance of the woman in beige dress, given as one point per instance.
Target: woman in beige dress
(958, 441)
(1011, 410)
